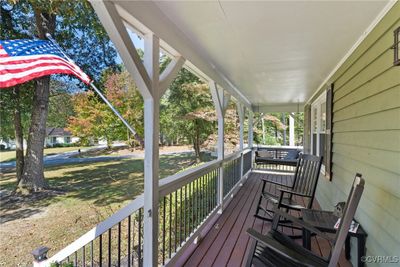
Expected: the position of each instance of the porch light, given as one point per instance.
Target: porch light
(40, 253)
(396, 47)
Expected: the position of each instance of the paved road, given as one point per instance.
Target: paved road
(67, 158)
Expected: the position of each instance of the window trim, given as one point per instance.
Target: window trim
(316, 104)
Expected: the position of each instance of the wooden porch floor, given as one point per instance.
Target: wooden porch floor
(227, 243)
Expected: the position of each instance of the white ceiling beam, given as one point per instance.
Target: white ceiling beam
(115, 28)
(146, 15)
(298, 107)
(170, 72)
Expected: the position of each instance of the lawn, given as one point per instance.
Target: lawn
(89, 193)
(6, 156)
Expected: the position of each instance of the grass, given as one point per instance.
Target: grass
(6, 156)
(92, 192)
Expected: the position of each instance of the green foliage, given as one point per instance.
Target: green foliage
(94, 119)
(184, 111)
(275, 126)
(65, 264)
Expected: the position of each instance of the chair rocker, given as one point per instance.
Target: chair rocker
(278, 249)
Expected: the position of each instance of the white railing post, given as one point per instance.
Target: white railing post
(221, 103)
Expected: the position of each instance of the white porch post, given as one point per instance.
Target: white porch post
(151, 154)
(151, 86)
(250, 137)
(220, 102)
(240, 109)
(291, 129)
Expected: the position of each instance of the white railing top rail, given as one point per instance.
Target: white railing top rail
(98, 230)
(176, 181)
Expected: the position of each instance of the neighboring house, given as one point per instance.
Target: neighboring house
(57, 136)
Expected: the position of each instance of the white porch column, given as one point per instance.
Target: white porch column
(240, 109)
(151, 86)
(250, 136)
(221, 103)
(151, 154)
(291, 129)
(263, 128)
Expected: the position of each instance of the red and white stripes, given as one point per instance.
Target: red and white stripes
(19, 69)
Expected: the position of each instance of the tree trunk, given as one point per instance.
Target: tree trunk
(33, 173)
(19, 136)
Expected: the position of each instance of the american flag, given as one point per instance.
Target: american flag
(23, 60)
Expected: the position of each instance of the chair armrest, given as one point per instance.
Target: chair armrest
(256, 235)
(303, 224)
(283, 190)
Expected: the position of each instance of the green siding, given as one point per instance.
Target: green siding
(366, 137)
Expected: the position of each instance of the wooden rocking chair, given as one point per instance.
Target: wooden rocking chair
(304, 185)
(277, 249)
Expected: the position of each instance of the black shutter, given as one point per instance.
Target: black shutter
(329, 134)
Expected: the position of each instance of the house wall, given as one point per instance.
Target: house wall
(366, 137)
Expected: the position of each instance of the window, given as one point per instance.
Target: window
(54, 140)
(67, 139)
(318, 129)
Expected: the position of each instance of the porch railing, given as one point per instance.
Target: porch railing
(188, 202)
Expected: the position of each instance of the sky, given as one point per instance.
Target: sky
(138, 43)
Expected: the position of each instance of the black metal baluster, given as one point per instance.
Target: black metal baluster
(163, 232)
(208, 194)
(140, 239)
(180, 215)
(83, 257)
(91, 254)
(119, 244)
(170, 225)
(100, 250)
(76, 258)
(185, 214)
(176, 220)
(109, 247)
(201, 198)
(196, 202)
(129, 240)
(192, 208)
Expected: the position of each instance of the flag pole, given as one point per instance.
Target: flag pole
(130, 128)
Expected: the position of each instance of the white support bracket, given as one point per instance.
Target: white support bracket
(116, 29)
(146, 75)
(170, 72)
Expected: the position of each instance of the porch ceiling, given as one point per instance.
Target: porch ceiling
(269, 53)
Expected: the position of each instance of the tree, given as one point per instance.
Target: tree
(185, 113)
(14, 102)
(60, 105)
(94, 119)
(76, 27)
